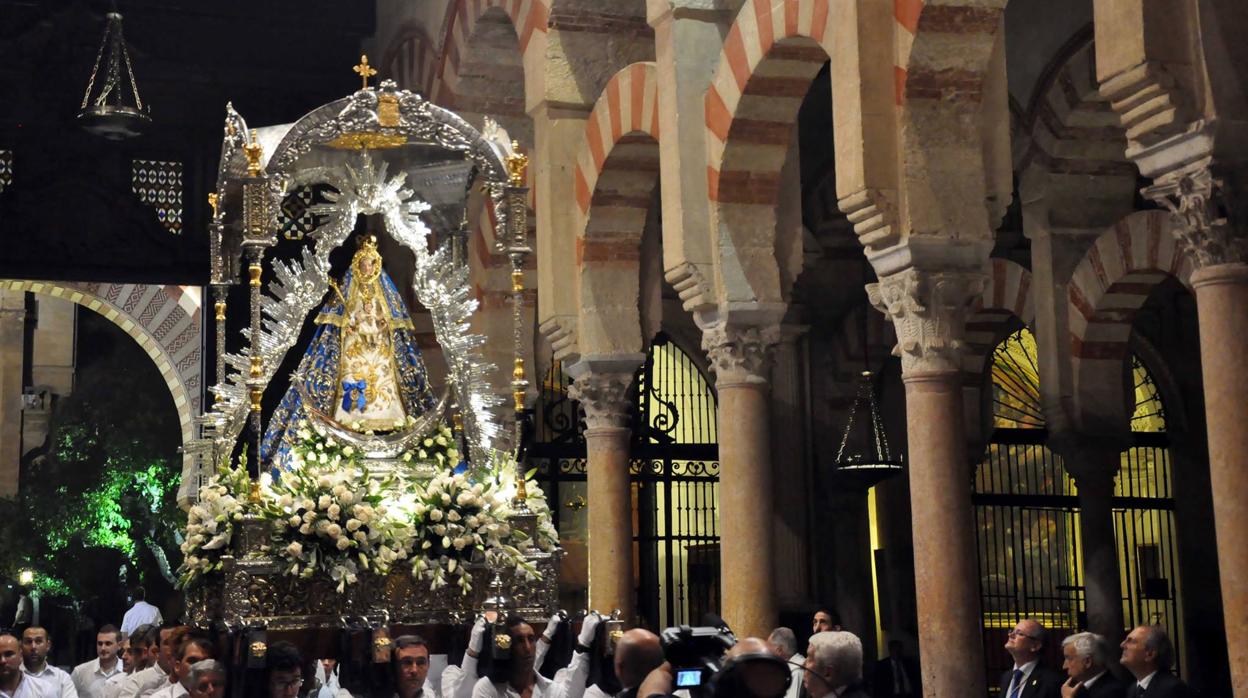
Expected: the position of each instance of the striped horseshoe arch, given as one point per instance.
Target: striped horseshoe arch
(166, 322)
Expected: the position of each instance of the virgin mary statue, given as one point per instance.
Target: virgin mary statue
(362, 369)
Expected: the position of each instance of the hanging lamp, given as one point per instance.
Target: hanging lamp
(113, 111)
(864, 457)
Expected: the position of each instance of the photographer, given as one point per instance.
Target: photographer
(515, 676)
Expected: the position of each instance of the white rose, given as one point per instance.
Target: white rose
(453, 516)
(472, 522)
(324, 502)
(347, 497)
(295, 520)
(333, 531)
(446, 499)
(306, 529)
(347, 451)
(344, 543)
(295, 549)
(334, 511)
(435, 515)
(359, 536)
(354, 524)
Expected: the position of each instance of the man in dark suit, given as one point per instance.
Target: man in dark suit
(1085, 657)
(896, 676)
(1148, 654)
(1028, 679)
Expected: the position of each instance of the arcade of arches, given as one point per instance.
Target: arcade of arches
(1027, 220)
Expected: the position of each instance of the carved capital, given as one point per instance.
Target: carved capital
(740, 353)
(928, 311)
(604, 398)
(1204, 207)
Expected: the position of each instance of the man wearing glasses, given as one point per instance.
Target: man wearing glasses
(1028, 679)
(285, 670)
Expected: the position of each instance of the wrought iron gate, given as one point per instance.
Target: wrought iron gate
(675, 482)
(1028, 521)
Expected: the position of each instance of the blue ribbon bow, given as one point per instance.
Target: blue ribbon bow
(348, 388)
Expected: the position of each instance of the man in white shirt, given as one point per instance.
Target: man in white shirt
(783, 643)
(90, 677)
(518, 677)
(149, 675)
(15, 683)
(141, 613)
(1028, 679)
(409, 659)
(35, 648)
(1148, 654)
(194, 648)
(1085, 657)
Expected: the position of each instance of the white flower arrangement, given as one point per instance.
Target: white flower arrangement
(328, 515)
(456, 521)
(210, 524)
(336, 519)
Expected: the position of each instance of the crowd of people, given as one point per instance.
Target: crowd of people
(507, 658)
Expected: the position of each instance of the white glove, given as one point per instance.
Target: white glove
(551, 626)
(588, 628)
(477, 637)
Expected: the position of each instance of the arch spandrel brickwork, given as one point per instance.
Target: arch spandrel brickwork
(166, 322)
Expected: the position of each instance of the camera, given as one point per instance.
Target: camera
(700, 667)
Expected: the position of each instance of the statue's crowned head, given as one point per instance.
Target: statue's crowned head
(366, 264)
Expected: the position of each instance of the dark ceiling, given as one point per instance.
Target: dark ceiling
(69, 212)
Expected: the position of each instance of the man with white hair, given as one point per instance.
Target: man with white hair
(834, 666)
(1085, 657)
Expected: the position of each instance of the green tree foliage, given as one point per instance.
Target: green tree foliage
(101, 494)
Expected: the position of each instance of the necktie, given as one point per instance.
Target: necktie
(1018, 684)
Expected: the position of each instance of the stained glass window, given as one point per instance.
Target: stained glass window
(158, 183)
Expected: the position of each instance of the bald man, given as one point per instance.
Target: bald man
(637, 653)
(1028, 679)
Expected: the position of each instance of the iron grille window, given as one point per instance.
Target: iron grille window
(1028, 518)
(675, 484)
(6, 169)
(158, 183)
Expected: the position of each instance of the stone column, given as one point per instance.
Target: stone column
(740, 357)
(601, 386)
(1094, 464)
(928, 311)
(1218, 249)
(791, 472)
(12, 341)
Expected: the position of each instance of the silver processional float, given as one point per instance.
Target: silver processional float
(364, 499)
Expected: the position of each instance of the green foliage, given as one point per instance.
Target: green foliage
(105, 485)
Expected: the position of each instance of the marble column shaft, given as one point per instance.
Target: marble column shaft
(1094, 466)
(928, 311)
(1199, 197)
(740, 358)
(604, 398)
(1222, 300)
